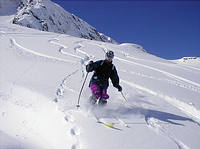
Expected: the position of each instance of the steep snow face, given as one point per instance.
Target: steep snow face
(48, 16)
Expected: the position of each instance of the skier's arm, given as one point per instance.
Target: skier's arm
(115, 79)
(91, 66)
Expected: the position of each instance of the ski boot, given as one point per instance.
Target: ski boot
(92, 100)
(102, 102)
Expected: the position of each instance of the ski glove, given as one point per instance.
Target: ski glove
(90, 62)
(119, 88)
(89, 66)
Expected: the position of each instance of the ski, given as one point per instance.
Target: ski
(122, 123)
(111, 125)
(107, 124)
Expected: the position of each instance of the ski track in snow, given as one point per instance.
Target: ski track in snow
(176, 83)
(192, 67)
(83, 60)
(166, 64)
(63, 86)
(102, 47)
(155, 125)
(86, 55)
(184, 107)
(63, 47)
(158, 70)
(74, 131)
(17, 45)
(2, 33)
(69, 118)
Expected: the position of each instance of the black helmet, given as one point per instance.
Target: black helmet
(110, 54)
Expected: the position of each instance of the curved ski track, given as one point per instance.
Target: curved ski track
(29, 51)
(62, 47)
(74, 130)
(86, 57)
(77, 50)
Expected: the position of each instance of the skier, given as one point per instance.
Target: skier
(103, 70)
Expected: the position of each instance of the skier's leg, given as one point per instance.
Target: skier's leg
(92, 99)
(104, 97)
(105, 94)
(102, 102)
(96, 93)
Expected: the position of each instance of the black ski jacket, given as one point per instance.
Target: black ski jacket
(103, 70)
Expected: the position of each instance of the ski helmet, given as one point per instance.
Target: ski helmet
(110, 54)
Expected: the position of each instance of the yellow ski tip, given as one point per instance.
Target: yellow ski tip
(109, 125)
(106, 124)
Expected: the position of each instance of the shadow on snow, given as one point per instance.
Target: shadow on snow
(122, 112)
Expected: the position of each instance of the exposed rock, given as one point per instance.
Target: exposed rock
(48, 16)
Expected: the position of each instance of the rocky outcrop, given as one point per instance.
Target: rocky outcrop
(48, 16)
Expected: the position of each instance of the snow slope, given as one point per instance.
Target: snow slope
(41, 76)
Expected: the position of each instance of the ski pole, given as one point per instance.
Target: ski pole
(78, 105)
(124, 97)
(130, 105)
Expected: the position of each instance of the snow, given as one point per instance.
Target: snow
(191, 62)
(42, 74)
(48, 16)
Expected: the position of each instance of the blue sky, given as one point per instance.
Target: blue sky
(168, 29)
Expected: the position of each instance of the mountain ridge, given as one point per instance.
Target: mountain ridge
(48, 16)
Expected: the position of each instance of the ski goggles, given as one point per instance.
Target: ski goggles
(110, 56)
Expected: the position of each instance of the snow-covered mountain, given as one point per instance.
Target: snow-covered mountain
(48, 16)
(41, 74)
(189, 60)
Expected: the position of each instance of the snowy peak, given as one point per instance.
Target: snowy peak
(48, 16)
(191, 59)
